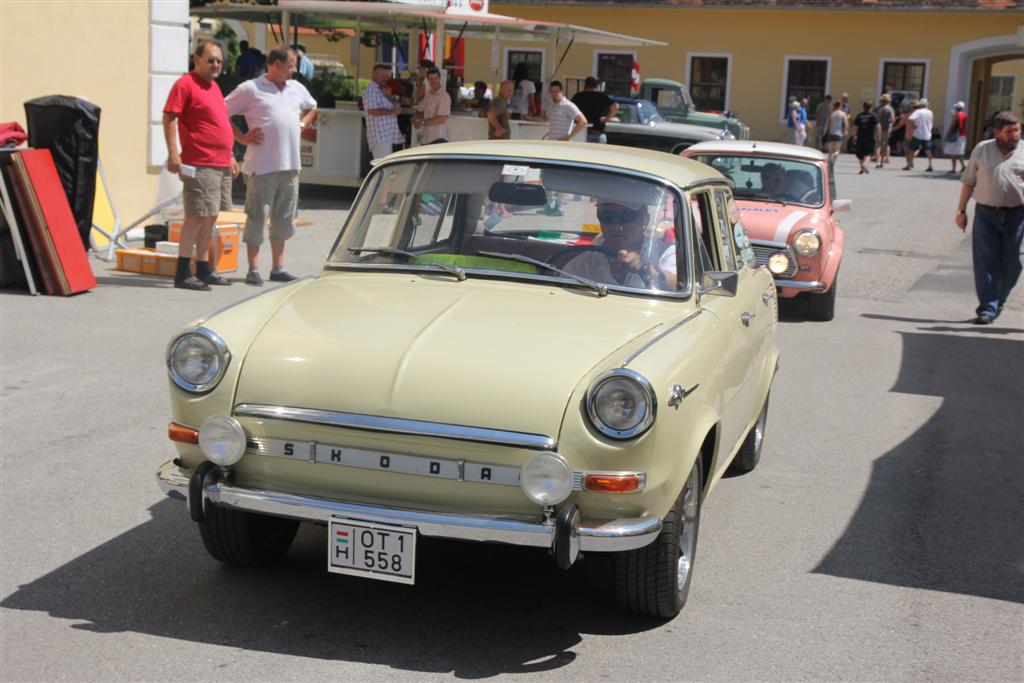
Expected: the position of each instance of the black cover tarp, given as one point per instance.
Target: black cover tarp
(69, 127)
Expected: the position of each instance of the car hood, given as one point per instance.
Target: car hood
(775, 222)
(700, 118)
(674, 130)
(481, 353)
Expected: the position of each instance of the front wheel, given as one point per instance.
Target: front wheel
(823, 306)
(246, 539)
(655, 580)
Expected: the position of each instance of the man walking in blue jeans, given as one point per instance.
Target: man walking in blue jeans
(995, 177)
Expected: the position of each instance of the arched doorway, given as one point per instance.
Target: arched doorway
(971, 68)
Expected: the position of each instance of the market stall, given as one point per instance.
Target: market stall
(335, 151)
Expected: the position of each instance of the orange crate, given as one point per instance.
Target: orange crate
(227, 240)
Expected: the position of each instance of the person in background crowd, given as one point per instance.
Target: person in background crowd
(433, 112)
(821, 116)
(250, 63)
(955, 141)
(597, 107)
(794, 122)
(275, 108)
(899, 135)
(886, 115)
(497, 113)
(868, 129)
(381, 112)
(995, 178)
(565, 118)
(306, 69)
(920, 125)
(421, 80)
(838, 125)
(481, 102)
(521, 104)
(845, 99)
(804, 115)
(196, 113)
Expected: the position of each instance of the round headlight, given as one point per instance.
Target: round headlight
(546, 479)
(778, 264)
(222, 440)
(621, 404)
(197, 359)
(806, 243)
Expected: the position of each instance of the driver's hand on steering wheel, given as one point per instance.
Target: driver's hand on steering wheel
(630, 259)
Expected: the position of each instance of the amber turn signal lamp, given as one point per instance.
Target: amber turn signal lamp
(177, 432)
(612, 483)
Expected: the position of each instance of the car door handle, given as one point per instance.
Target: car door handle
(746, 317)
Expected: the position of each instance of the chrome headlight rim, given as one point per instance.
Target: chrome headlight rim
(219, 346)
(806, 231)
(622, 434)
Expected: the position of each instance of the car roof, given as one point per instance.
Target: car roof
(673, 168)
(758, 147)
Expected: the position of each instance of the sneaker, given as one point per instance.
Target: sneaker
(984, 319)
(193, 283)
(215, 279)
(253, 278)
(282, 276)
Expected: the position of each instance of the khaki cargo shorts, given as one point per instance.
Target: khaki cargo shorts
(270, 195)
(208, 193)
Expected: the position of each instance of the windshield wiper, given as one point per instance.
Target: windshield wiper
(596, 286)
(388, 251)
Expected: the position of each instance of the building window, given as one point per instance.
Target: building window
(907, 76)
(709, 78)
(616, 70)
(1000, 93)
(805, 77)
(534, 60)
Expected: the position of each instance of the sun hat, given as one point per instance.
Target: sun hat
(923, 102)
(886, 97)
(959, 105)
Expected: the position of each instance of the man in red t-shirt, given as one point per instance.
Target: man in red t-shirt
(196, 113)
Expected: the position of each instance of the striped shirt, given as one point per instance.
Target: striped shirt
(380, 129)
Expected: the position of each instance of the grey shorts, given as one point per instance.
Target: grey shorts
(208, 193)
(270, 195)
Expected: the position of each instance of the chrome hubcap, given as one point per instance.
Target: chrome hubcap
(687, 530)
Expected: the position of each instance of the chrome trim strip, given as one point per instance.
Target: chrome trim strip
(394, 425)
(604, 536)
(219, 346)
(816, 286)
(656, 338)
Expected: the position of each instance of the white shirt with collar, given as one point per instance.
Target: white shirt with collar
(276, 111)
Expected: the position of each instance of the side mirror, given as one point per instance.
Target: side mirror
(723, 283)
(842, 206)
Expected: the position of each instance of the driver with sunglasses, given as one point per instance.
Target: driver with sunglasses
(636, 257)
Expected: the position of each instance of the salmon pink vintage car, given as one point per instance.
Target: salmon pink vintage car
(786, 196)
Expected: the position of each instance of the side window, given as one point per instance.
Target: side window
(703, 219)
(725, 230)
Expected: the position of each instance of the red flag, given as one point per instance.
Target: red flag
(634, 83)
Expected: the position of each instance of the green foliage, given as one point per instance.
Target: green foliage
(335, 83)
(226, 35)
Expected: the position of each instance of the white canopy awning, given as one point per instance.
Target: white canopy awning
(396, 16)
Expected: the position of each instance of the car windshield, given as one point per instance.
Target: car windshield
(668, 98)
(762, 178)
(518, 220)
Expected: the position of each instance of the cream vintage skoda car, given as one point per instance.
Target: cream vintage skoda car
(542, 344)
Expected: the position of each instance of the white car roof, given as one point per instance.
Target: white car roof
(757, 147)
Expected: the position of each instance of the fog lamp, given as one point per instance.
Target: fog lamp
(222, 440)
(778, 264)
(546, 479)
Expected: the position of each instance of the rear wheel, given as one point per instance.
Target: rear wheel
(246, 539)
(750, 452)
(655, 580)
(823, 306)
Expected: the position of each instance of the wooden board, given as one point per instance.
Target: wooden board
(49, 216)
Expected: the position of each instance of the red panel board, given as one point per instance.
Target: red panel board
(49, 211)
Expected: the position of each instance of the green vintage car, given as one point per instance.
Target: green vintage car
(675, 104)
(544, 344)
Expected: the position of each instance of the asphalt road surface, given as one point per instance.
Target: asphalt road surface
(880, 538)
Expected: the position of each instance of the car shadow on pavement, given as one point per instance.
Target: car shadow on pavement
(476, 610)
(943, 509)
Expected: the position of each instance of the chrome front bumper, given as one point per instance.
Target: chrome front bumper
(620, 534)
(816, 286)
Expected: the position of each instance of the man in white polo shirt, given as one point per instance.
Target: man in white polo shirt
(275, 108)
